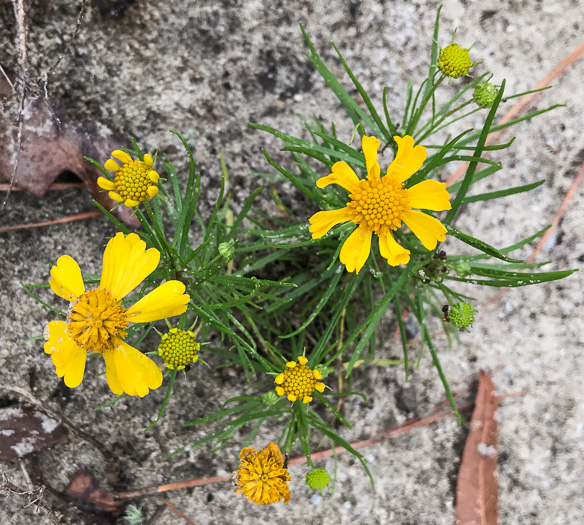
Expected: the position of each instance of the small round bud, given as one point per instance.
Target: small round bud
(462, 315)
(179, 348)
(463, 270)
(226, 250)
(484, 94)
(454, 61)
(318, 478)
(270, 398)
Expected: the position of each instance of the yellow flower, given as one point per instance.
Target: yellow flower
(380, 204)
(135, 180)
(454, 61)
(262, 476)
(97, 321)
(298, 381)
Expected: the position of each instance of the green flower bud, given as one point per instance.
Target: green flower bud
(463, 270)
(454, 61)
(484, 94)
(462, 315)
(270, 398)
(318, 478)
(226, 250)
(179, 348)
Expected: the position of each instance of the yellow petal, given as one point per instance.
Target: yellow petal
(408, 160)
(115, 196)
(148, 160)
(167, 300)
(392, 251)
(153, 176)
(280, 391)
(126, 263)
(323, 221)
(111, 165)
(66, 280)
(68, 358)
(110, 372)
(121, 155)
(429, 195)
(316, 374)
(279, 379)
(292, 397)
(319, 387)
(152, 191)
(131, 203)
(355, 250)
(370, 146)
(136, 373)
(105, 184)
(306, 400)
(302, 360)
(426, 228)
(343, 175)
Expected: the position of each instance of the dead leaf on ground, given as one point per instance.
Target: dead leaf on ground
(477, 489)
(84, 487)
(49, 147)
(24, 430)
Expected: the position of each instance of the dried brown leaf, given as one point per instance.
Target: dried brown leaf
(477, 489)
(84, 487)
(50, 145)
(24, 430)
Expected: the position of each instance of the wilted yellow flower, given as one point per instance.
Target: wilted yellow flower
(298, 381)
(380, 204)
(135, 181)
(97, 321)
(262, 476)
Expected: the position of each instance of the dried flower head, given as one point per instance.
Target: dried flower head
(262, 475)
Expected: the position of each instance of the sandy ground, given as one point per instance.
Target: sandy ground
(206, 69)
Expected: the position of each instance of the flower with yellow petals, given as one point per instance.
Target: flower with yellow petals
(262, 476)
(298, 381)
(97, 320)
(380, 204)
(135, 180)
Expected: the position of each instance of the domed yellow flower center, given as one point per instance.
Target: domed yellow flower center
(132, 181)
(379, 205)
(95, 319)
(262, 476)
(454, 61)
(298, 381)
(179, 348)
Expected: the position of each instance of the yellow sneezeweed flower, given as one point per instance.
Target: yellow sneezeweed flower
(298, 381)
(97, 321)
(178, 348)
(262, 476)
(135, 181)
(380, 204)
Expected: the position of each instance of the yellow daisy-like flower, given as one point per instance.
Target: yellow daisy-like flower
(135, 181)
(380, 204)
(298, 381)
(97, 321)
(262, 476)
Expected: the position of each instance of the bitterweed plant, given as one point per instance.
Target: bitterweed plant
(296, 301)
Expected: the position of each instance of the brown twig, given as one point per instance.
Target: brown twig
(63, 220)
(56, 186)
(176, 511)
